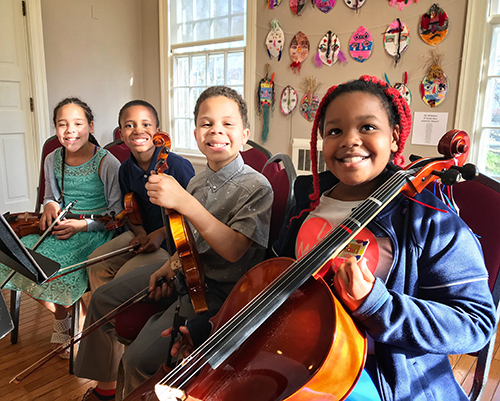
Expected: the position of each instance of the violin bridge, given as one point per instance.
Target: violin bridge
(167, 393)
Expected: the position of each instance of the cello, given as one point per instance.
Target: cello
(256, 350)
(182, 236)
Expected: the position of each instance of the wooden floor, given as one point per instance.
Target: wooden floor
(54, 383)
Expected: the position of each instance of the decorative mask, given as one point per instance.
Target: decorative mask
(271, 4)
(396, 39)
(275, 40)
(265, 102)
(324, 5)
(289, 100)
(361, 44)
(329, 50)
(297, 6)
(401, 3)
(403, 89)
(310, 102)
(299, 50)
(434, 25)
(355, 4)
(434, 86)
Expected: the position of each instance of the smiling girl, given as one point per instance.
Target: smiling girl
(80, 170)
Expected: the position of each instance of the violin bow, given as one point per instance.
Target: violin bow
(43, 236)
(144, 293)
(89, 262)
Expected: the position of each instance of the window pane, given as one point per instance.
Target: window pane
(202, 30)
(238, 6)
(220, 7)
(221, 28)
(491, 111)
(215, 73)
(181, 70)
(493, 152)
(183, 135)
(235, 69)
(202, 10)
(198, 72)
(181, 103)
(194, 95)
(237, 26)
(494, 68)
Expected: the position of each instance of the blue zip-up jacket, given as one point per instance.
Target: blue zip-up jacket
(434, 302)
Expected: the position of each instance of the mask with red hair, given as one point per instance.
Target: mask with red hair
(393, 102)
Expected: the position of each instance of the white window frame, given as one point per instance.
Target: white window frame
(166, 70)
(475, 61)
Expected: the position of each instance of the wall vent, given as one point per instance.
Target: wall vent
(301, 156)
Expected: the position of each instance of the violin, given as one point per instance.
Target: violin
(26, 223)
(281, 331)
(182, 236)
(131, 211)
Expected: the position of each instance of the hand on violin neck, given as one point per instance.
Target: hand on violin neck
(165, 191)
(353, 282)
(184, 345)
(167, 288)
(50, 212)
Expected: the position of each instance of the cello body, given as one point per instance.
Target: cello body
(309, 349)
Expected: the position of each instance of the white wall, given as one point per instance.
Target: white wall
(375, 15)
(98, 51)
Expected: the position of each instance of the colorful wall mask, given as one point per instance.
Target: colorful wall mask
(434, 89)
(289, 100)
(355, 4)
(273, 4)
(329, 50)
(396, 39)
(361, 44)
(434, 25)
(297, 5)
(324, 5)
(275, 40)
(299, 50)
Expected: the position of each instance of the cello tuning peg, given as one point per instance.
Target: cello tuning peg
(448, 177)
(468, 171)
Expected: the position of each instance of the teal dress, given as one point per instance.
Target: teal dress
(83, 184)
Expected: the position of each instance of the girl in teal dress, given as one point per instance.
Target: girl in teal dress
(80, 171)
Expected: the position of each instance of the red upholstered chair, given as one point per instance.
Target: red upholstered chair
(116, 134)
(478, 202)
(118, 149)
(49, 146)
(280, 172)
(256, 156)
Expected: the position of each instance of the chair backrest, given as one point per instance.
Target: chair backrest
(280, 172)
(116, 134)
(49, 146)
(256, 156)
(478, 202)
(119, 150)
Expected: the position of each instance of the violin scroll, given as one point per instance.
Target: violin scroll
(163, 140)
(131, 210)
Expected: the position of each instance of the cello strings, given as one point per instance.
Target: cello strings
(285, 279)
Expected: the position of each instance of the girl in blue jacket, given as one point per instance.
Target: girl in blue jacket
(421, 290)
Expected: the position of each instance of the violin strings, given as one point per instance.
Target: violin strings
(288, 278)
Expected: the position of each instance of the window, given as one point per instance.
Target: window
(478, 111)
(207, 41)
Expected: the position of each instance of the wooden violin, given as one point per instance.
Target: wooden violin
(182, 236)
(26, 223)
(282, 334)
(130, 211)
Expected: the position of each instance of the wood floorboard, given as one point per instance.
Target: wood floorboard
(53, 382)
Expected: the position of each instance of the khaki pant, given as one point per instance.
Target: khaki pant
(103, 272)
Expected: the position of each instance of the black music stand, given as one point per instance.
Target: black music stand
(22, 260)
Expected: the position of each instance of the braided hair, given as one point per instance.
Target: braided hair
(393, 102)
(90, 118)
